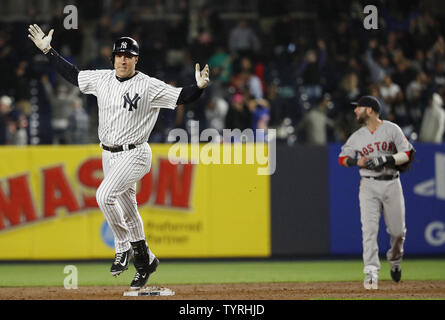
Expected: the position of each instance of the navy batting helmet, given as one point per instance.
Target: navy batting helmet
(126, 45)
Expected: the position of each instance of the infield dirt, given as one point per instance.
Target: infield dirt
(251, 291)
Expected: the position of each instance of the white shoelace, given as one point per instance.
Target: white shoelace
(118, 257)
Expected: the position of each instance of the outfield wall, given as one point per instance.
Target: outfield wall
(48, 208)
(315, 206)
(308, 207)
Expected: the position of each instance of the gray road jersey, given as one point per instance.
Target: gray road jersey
(387, 139)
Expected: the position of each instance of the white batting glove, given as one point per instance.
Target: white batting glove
(202, 77)
(38, 37)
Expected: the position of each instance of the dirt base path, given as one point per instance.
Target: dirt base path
(252, 291)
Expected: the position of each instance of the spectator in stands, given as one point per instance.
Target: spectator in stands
(419, 62)
(390, 93)
(438, 75)
(5, 110)
(102, 61)
(433, 122)
(252, 81)
(113, 22)
(215, 113)
(311, 71)
(393, 97)
(221, 63)
(18, 130)
(20, 88)
(78, 123)
(260, 109)
(436, 53)
(377, 69)
(202, 46)
(60, 107)
(13, 123)
(424, 31)
(415, 88)
(403, 73)
(311, 76)
(205, 20)
(350, 86)
(414, 98)
(348, 91)
(316, 124)
(243, 40)
(238, 115)
(118, 18)
(280, 109)
(246, 82)
(341, 46)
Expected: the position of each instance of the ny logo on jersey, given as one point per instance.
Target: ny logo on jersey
(133, 103)
(123, 45)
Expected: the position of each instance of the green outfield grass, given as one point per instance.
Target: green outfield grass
(90, 274)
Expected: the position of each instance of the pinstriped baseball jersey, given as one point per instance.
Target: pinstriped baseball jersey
(387, 139)
(128, 110)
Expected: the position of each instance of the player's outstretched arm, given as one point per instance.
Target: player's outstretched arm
(193, 92)
(43, 42)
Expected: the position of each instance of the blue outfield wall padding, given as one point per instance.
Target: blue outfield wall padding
(424, 193)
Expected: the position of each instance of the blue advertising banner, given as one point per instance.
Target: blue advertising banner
(424, 192)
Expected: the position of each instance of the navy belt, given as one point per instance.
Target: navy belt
(385, 177)
(119, 148)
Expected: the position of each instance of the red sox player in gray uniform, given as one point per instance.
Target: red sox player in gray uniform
(377, 148)
(129, 103)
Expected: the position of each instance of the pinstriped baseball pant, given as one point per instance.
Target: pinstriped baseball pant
(116, 195)
(375, 197)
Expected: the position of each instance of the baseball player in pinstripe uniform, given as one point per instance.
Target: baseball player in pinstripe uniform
(380, 150)
(129, 102)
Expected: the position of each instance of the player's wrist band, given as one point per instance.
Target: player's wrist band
(189, 94)
(351, 162)
(67, 70)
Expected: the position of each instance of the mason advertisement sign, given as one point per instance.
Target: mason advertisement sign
(48, 207)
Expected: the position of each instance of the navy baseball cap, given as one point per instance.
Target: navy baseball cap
(368, 101)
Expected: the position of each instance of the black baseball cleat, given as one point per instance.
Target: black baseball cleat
(142, 275)
(121, 262)
(396, 274)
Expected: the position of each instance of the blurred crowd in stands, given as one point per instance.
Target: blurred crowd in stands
(289, 65)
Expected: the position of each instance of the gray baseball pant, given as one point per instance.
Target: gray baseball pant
(376, 196)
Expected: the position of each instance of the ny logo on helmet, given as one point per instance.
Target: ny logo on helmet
(124, 45)
(133, 103)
